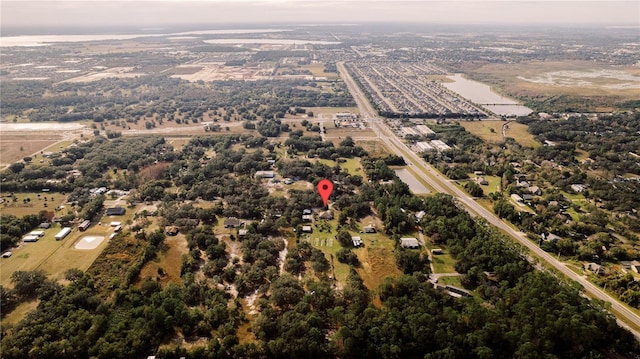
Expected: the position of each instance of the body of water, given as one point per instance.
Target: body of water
(482, 94)
(271, 41)
(46, 40)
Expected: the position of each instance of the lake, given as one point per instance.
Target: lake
(271, 41)
(483, 95)
(46, 40)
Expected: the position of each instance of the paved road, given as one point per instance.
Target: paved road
(442, 184)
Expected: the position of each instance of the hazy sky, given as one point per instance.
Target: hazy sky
(46, 13)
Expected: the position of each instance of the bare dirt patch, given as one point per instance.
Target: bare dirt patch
(89, 242)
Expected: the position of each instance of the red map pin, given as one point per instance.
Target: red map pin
(325, 187)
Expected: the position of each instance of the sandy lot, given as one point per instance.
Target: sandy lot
(89, 242)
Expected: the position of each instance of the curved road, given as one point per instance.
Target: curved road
(441, 184)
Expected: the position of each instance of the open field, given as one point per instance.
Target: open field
(443, 263)
(36, 202)
(453, 280)
(376, 257)
(375, 148)
(56, 257)
(15, 145)
(352, 166)
(491, 131)
(317, 69)
(169, 259)
(494, 183)
(20, 312)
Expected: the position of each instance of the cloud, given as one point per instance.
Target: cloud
(45, 13)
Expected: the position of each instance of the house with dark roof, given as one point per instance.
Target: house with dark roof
(231, 222)
(369, 229)
(116, 211)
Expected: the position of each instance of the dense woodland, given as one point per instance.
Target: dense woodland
(162, 98)
(111, 312)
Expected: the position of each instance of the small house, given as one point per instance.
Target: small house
(37, 233)
(242, 232)
(578, 188)
(369, 229)
(265, 174)
(516, 198)
(307, 218)
(411, 243)
(482, 181)
(116, 211)
(357, 241)
(44, 225)
(328, 215)
(535, 190)
(307, 229)
(231, 222)
(420, 215)
(595, 268)
(437, 251)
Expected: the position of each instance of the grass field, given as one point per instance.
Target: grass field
(443, 263)
(491, 131)
(317, 69)
(375, 148)
(15, 147)
(36, 202)
(352, 166)
(56, 257)
(376, 257)
(494, 183)
(170, 260)
(452, 280)
(21, 310)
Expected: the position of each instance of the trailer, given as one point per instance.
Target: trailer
(29, 238)
(63, 233)
(37, 233)
(84, 225)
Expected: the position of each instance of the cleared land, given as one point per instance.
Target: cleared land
(21, 204)
(491, 131)
(56, 257)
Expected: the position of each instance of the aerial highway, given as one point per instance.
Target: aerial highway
(438, 182)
